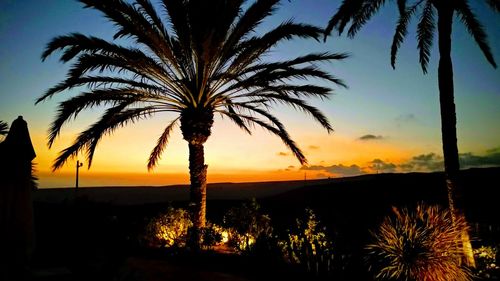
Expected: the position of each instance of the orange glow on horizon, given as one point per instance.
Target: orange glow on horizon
(232, 156)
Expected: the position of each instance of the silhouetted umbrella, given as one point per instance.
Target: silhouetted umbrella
(16, 207)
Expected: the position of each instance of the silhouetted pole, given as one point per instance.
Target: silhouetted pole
(78, 165)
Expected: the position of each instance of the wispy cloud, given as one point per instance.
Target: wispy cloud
(336, 170)
(281, 153)
(404, 118)
(313, 147)
(491, 158)
(370, 137)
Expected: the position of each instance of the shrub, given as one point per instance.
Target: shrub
(246, 224)
(169, 229)
(211, 235)
(486, 263)
(308, 245)
(418, 245)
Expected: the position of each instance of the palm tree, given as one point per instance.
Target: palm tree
(358, 12)
(4, 128)
(203, 59)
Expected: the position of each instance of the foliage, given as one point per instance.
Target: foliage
(211, 235)
(189, 58)
(486, 262)
(354, 14)
(418, 245)
(308, 245)
(169, 229)
(246, 224)
(4, 128)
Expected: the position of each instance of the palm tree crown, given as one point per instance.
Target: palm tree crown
(205, 58)
(356, 13)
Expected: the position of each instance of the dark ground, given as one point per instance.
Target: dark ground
(97, 237)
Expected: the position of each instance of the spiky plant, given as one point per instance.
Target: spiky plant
(419, 245)
(203, 58)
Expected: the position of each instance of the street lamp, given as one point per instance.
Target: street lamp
(78, 165)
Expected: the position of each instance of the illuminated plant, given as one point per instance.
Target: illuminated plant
(420, 245)
(212, 235)
(486, 262)
(169, 229)
(308, 245)
(246, 225)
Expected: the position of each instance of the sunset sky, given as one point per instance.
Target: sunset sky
(386, 121)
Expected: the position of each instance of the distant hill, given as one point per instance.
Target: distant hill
(159, 194)
(378, 193)
(375, 192)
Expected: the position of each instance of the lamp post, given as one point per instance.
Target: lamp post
(78, 165)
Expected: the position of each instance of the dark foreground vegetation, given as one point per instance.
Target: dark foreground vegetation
(85, 239)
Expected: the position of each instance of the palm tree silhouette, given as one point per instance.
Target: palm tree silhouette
(205, 59)
(357, 12)
(4, 128)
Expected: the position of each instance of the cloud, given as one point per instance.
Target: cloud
(382, 167)
(370, 137)
(493, 150)
(424, 162)
(406, 118)
(322, 176)
(337, 170)
(491, 158)
(281, 153)
(427, 162)
(313, 147)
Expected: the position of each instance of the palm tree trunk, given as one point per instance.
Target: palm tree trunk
(198, 189)
(448, 126)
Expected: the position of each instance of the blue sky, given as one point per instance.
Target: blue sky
(400, 107)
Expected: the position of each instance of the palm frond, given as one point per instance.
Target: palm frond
(475, 29)
(178, 13)
(401, 30)
(297, 104)
(401, 6)
(97, 81)
(425, 35)
(368, 9)
(494, 4)
(234, 116)
(112, 96)
(281, 133)
(162, 142)
(250, 19)
(4, 128)
(253, 48)
(112, 119)
(343, 16)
